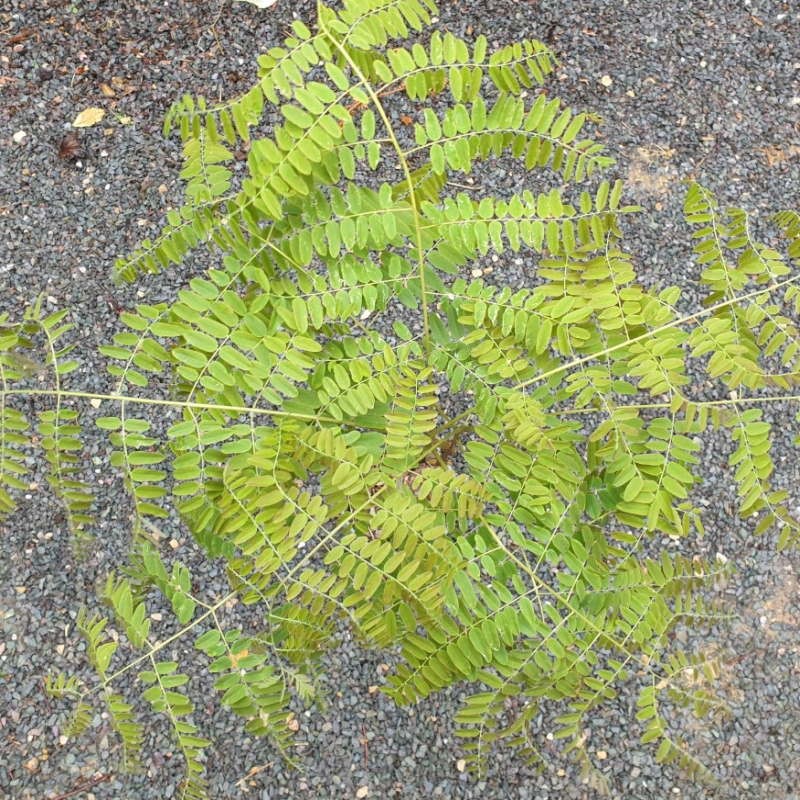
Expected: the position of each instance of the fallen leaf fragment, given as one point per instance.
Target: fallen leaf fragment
(776, 155)
(88, 117)
(253, 771)
(69, 147)
(293, 724)
(461, 764)
(20, 37)
(362, 791)
(107, 90)
(602, 755)
(606, 81)
(95, 402)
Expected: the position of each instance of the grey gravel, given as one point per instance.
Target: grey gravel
(697, 89)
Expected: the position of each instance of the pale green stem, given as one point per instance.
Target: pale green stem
(673, 324)
(179, 404)
(162, 644)
(412, 196)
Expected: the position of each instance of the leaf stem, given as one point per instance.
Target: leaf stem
(732, 401)
(649, 334)
(401, 157)
(179, 404)
(160, 645)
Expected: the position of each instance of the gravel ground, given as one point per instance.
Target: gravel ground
(686, 89)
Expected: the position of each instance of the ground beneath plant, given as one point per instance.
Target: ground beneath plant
(685, 90)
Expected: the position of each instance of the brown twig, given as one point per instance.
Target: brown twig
(80, 788)
(252, 772)
(212, 28)
(365, 744)
(24, 34)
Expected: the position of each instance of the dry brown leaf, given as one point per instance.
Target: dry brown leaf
(775, 155)
(24, 34)
(88, 117)
(69, 147)
(107, 90)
